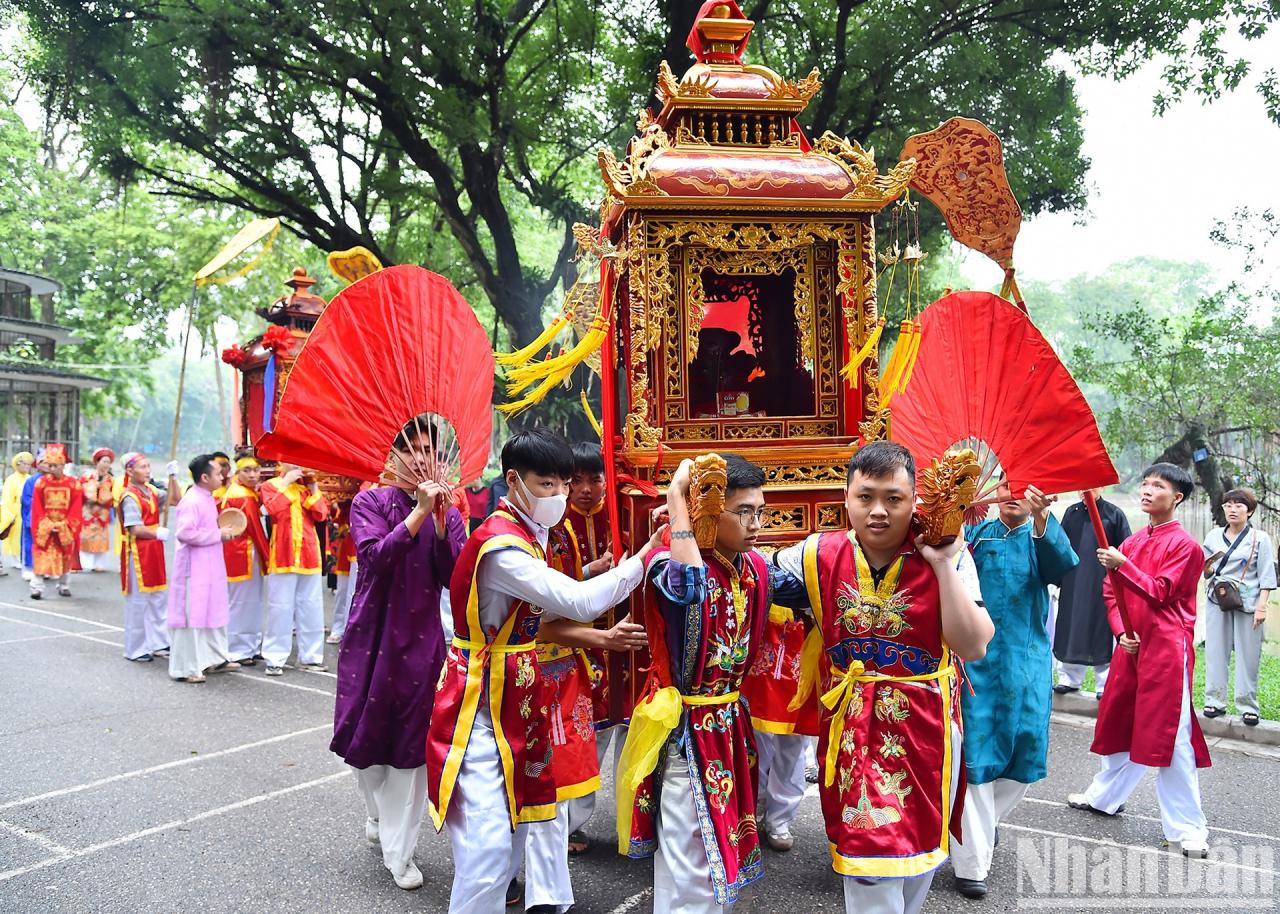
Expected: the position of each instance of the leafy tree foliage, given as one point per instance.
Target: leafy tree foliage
(1200, 389)
(125, 258)
(461, 135)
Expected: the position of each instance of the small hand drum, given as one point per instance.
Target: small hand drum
(233, 521)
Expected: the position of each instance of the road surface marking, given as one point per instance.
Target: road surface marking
(165, 766)
(48, 612)
(51, 846)
(169, 826)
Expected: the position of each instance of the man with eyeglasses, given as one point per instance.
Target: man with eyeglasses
(686, 783)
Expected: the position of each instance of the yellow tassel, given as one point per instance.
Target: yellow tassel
(524, 354)
(910, 344)
(534, 396)
(892, 371)
(850, 371)
(916, 339)
(811, 655)
(551, 372)
(591, 417)
(524, 376)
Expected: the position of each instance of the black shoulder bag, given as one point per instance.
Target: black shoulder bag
(1226, 591)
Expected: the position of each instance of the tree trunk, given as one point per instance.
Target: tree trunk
(1182, 453)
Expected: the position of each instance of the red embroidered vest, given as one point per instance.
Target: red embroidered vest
(146, 557)
(500, 668)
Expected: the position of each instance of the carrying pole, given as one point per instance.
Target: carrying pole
(182, 383)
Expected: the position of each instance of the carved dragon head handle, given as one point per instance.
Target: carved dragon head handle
(707, 484)
(945, 490)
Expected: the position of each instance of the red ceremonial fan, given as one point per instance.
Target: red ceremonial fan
(986, 379)
(395, 345)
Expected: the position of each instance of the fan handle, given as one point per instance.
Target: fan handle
(1091, 503)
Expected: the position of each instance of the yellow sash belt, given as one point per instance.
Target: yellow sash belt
(837, 698)
(651, 724)
(493, 648)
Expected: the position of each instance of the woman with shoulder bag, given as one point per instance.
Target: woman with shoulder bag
(1240, 578)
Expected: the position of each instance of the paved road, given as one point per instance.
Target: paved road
(123, 791)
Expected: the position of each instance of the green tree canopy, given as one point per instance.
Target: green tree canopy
(1199, 388)
(461, 135)
(125, 258)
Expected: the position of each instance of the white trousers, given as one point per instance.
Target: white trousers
(985, 807)
(681, 871)
(1072, 674)
(101, 561)
(295, 602)
(342, 601)
(1223, 633)
(145, 615)
(886, 896)
(245, 616)
(781, 766)
(546, 863)
(486, 852)
(38, 581)
(194, 650)
(1177, 786)
(396, 799)
(581, 808)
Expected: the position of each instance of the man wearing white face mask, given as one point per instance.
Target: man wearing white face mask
(489, 744)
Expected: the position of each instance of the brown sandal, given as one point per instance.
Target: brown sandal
(578, 844)
(193, 679)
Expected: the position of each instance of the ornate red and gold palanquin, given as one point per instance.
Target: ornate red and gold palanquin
(743, 282)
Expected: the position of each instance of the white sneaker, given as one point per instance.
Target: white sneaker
(371, 831)
(780, 840)
(410, 877)
(1195, 847)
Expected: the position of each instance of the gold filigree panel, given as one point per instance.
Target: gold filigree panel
(692, 433)
(827, 475)
(740, 431)
(805, 475)
(779, 518)
(637, 428)
(812, 430)
(831, 516)
(725, 235)
(836, 261)
(828, 381)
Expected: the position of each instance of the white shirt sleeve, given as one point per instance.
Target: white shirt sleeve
(517, 574)
(969, 575)
(791, 559)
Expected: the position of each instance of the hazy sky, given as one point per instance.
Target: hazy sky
(1157, 184)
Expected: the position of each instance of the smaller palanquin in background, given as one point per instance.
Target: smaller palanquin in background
(945, 490)
(265, 363)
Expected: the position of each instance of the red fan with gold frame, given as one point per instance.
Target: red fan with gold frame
(396, 346)
(987, 379)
